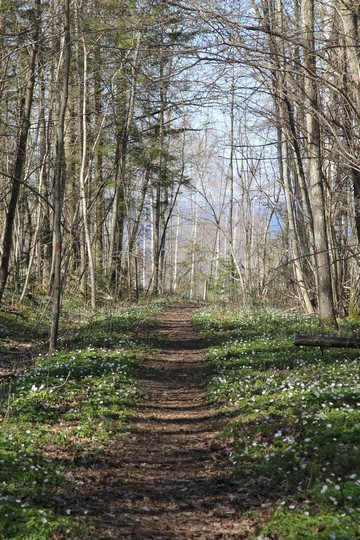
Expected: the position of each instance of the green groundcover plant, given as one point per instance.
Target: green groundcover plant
(294, 421)
(71, 402)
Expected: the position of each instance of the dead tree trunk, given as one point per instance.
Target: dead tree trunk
(326, 342)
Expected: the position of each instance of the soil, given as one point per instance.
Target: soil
(170, 476)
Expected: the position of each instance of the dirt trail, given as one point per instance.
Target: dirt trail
(171, 477)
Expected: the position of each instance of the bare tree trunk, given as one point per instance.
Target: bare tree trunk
(143, 266)
(98, 171)
(36, 235)
(161, 192)
(83, 178)
(350, 17)
(315, 175)
(195, 206)
(117, 223)
(44, 255)
(230, 175)
(176, 254)
(59, 180)
(19, 165)
(133, 233)
(295, 252)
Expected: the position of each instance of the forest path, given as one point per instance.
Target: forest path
(171, 477)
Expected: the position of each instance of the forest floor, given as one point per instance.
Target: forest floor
(170, 476)
(138, 429)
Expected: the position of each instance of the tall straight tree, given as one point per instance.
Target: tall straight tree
(288, 147)
(314, 168)
(59, 180)
(26, 101)
(124, 120)
(350, 18)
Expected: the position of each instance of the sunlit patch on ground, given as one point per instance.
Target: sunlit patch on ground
(295, 424)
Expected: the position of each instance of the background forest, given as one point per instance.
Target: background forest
(202, 148)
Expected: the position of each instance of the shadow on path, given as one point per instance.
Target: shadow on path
(170, 477)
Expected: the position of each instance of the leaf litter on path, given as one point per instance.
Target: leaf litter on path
(171, 477)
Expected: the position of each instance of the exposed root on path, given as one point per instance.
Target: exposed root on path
(171, 477)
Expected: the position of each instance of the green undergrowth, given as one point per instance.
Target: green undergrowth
(19, 321)
(294, 421)
(69, 406)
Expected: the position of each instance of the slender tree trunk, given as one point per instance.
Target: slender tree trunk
(176, 254)
(350, 17)
(19, 165)
(286, 133)
(35, 237)
(59, 180)
(98, 170)
(195, 206)
(152, 235)
(161, 182)
(143, 266)
(83, 178)
(133, 233)
(295, 252)
(157, 223)
(230, 175)
(315, 176)
(118, 215)
(44, 255)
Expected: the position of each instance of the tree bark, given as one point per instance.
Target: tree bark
(59, 180)
(327, 342)
(314, 170)
(19, 165)
(118, 212)
(83, 178)
(350, 17)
